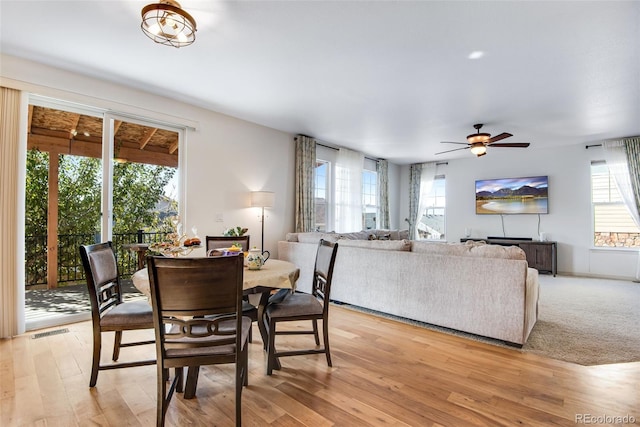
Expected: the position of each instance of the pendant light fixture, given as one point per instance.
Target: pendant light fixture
(166, 23)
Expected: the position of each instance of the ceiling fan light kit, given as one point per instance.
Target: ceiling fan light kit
(168, 24)
(479, 149)
(479, 142)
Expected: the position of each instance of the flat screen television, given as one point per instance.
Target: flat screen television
(529, 195)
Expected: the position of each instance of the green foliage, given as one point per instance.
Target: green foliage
(138, 189)
(36, 192)
(79, 181)
(138, 204)
(235, 232)
(36, 216)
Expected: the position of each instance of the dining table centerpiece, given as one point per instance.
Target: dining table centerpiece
(177, 243)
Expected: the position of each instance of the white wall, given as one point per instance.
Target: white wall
(569, 221)
(224, 158)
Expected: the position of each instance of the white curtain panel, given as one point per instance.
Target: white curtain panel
(427, 176)
(348, 182)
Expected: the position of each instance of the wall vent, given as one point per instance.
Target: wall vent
(49, 333)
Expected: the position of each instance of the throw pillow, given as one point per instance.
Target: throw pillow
(279, 296)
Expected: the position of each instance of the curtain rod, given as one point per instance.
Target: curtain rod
(334, 148)
(338, 149)
(593, 145)
(370, 158)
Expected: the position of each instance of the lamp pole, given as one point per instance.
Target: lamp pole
(262, 199)
(262, 237)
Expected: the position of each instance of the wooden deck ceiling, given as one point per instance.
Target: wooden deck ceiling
(65, 132)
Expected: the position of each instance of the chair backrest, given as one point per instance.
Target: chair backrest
(323, 271)
(103, 283)
(185, 290)
(217, 242)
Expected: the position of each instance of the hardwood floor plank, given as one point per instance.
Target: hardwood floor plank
(384, 372)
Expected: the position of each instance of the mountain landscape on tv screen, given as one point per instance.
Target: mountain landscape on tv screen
(525, 190)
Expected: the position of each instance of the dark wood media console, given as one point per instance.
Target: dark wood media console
(543, 256)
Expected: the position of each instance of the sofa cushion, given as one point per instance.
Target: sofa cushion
(387, 245)
(292, 237)
(477, 249)
(392, 234)
(358, 235)
(453, 249)
(497, 251)
(314, 237)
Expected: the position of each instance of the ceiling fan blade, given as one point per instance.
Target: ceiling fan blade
(449, 142)
(503, 135)
(455, 149)
(511, 144)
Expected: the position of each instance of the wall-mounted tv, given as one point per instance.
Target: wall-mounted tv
(528, 195)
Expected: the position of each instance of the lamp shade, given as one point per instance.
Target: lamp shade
(262, 199)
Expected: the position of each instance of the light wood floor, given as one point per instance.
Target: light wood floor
(384, 373)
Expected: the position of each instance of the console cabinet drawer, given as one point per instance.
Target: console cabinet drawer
(540, 255)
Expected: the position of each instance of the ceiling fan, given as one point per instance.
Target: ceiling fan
(478, 142)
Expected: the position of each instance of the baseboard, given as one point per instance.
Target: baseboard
(56, 320)
(597, 276)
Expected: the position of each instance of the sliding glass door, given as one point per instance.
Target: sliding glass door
(91, 176)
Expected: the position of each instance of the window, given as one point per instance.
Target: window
(612, 223)
(321, 195)
(325, 199)
(369, 199)
(431, 225)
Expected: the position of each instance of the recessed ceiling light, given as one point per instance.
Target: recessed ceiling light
(476, 54)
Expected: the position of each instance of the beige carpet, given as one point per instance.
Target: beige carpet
(587, 321)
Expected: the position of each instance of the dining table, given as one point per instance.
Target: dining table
(275, 274)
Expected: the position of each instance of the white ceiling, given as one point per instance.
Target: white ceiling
(389, 78)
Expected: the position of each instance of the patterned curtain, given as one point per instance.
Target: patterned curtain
(623, 160)
(382, 167)
(415, 171)
(620, 163)
(633, 160)
(305, 198)
(11, 249)
(632, 146)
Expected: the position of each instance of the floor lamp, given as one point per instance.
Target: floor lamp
(262, 199)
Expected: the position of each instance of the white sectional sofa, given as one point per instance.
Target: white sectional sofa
(486, 290)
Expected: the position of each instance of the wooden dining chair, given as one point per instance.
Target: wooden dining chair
(217, 242)
(299, 306)
(197, 313)
(108, 312)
